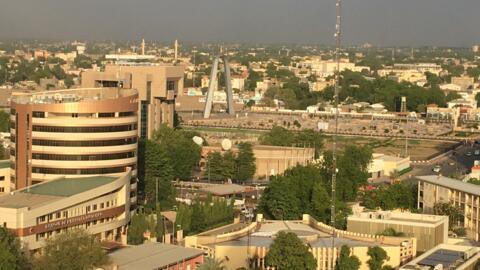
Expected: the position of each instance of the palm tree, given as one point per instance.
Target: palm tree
(212, 264)
(394, 176)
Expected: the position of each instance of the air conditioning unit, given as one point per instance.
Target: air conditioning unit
(438, 267)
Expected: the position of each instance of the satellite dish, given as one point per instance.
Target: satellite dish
(198, 140)
(226, 144)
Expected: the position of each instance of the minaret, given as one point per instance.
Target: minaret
(143, 46)
(176, 50)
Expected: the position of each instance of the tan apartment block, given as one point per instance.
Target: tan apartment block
(429, 230)
(433, 189)
(157, 87)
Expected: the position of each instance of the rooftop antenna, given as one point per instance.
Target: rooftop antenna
(334, 149)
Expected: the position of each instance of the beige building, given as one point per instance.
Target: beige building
(385, 165)
(271, 160)
(74, 133)
(6, 185)
(464, 82)
(157, 87)
(429, 230)
(435, 189)
(98, 204)
(247, 245)
(446, 256)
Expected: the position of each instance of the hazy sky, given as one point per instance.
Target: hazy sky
(381, 22)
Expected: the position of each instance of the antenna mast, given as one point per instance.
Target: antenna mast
(334, 150)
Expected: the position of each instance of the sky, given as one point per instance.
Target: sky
(379, 22)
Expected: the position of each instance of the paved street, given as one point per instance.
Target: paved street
(455, 163)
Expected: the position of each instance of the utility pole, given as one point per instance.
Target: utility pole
(334, 150)
(194, 66)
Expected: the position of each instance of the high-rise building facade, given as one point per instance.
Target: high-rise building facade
(73, 133)
(157, 86)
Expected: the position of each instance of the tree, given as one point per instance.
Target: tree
(377, 257)
(454, 213)
(320, 202)
(12, 256)
(68, 81)
(392, 232)
(160, 225)
(83, 61)
(211, 264)
(74, 249)
(155, 171)
(288, 252)
(138, 226)
(245, 163)
(179, 147)
(215, 169)
(278, 136)
(346, 261)
(4, 121)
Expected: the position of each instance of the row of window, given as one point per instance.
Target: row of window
(82, 171)
(37, 114)
(76, 211)
(43, 156)
(116, 142)
(85, 129)
(46, 235)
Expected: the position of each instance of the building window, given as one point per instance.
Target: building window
(94, 207)
(106, 115)
(88, 209)
(2, 189)
(102, 205)
(2, 178)
(171, 85)
(85, 143)
(36, 114)
(85, 129)
(126, 114)
(149, 91)
(144, 119)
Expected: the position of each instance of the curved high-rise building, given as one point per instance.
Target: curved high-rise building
(73, 133)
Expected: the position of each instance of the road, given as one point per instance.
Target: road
(458, 162)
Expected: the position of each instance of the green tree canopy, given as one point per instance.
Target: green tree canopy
(288, 252)
(211, 264)
(280, 136)
(454, 213)
(12, 256)
(245, 163)
(138, 226)
(346, 261)
(4, 121)
(75, 250)
(377, 257)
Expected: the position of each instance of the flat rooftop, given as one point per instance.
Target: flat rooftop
(449, 256)
(451, 183)
(263, 236)
(51, 191)
(71, 95)
(151, 256)
(397, 217)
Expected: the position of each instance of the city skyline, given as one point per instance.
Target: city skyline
(378, 22)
